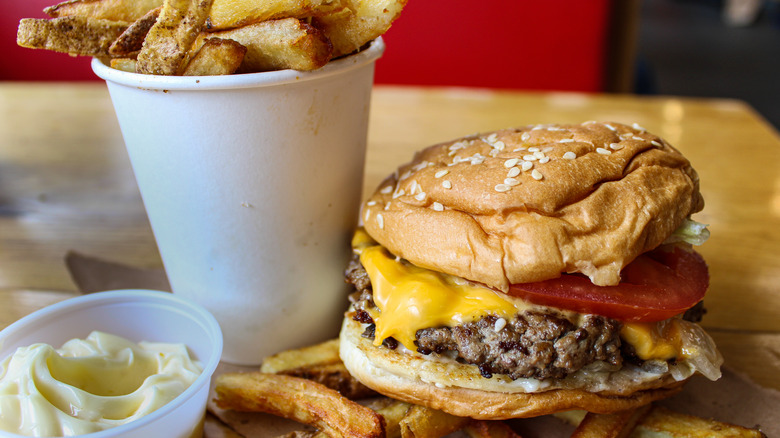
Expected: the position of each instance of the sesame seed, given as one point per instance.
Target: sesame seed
(637, 138)
(502, 188)
(544, 159)
(380, 220)
(371, 203)
(638, 127)
(589, 122)
(512, 162)
(421, 165)
(438, 207)
(530, 157)
(570, 155)
(518, 149)
(566, 140)
(420, 196)
(386, 190)
(414, 188)
(603, 151)
(616, 146)
(554, 128)
(537, 175)
(500, 145)
(491, 138)
(511, 181)
(500, 324)
(525, 137)
(537, 127)
(547, 149)
(656, 144)
(368, 215)
(539, 154)
(446, 184)
(610, 127)
(533, 149)
(527, 165)
(387, 206)
(406, 174)
(441, 173)
(513, 172)
(399, 193)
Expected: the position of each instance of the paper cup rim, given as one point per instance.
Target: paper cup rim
(244, 80)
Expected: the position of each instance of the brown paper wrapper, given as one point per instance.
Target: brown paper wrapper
(732, 399)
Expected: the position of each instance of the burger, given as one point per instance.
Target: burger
(527, 271)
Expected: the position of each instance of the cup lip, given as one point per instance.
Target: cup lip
(243, 80)
(97, 299)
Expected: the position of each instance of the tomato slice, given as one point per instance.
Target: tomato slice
(654, 287)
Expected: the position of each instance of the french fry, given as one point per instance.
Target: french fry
(393, 411)
(490, 429)
(303, 434)
(423, 422)
(320, 363)
(74, 35)
(277, 45)
(664, 423)
(124, 64)
(129, 43)
(216, 57)
(227, 14)
(334, 376)
(359, 23)
(324, 353)
(168, 42)
(114, 10)
(404, 420)
(616, 425)
(300, 400)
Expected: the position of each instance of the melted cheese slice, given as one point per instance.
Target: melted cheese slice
(410, 298)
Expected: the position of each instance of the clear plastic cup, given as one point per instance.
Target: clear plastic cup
(137, 315)
(252, 183)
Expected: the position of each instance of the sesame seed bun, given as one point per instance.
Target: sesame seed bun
(535, 202)
(459, 389)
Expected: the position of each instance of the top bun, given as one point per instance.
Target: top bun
(527, 204)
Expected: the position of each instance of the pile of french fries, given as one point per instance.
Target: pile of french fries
(312, 386)
(210, 37)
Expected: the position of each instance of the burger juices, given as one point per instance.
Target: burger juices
(528, 271)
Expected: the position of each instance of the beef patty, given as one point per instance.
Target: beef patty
(532, 344)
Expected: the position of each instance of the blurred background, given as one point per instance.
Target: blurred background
(698, 48)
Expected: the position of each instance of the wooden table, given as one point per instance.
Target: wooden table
(66, 184)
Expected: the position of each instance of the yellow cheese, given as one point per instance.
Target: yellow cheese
(657, 340)
(411, 298)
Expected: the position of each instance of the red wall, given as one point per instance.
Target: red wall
(521, 44)
(525, 44)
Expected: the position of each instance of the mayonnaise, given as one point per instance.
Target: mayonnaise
(89, 385)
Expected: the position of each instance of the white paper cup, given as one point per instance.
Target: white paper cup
(137, 315)
(252, 183)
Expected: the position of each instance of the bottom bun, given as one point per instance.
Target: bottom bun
(395, 374)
